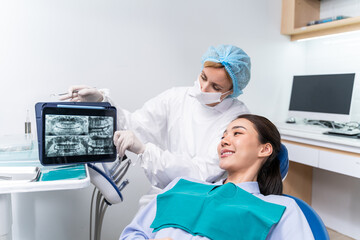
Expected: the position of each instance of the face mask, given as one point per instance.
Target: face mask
(207, 97)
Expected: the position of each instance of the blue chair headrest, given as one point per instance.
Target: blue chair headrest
(284, 161)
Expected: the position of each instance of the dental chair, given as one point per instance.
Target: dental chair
(316, 224)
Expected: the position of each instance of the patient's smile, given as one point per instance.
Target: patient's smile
(226, 153)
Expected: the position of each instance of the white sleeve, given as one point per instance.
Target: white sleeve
(162, 166)
(149, 122)
(292, 225)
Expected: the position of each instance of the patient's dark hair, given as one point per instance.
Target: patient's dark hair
(269, 177)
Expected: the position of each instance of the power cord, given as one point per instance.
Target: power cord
(323, 123)
(350, 128)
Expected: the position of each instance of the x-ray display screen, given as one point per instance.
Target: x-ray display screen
(78, 135)
(69, 138)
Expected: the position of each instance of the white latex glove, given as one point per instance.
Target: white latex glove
(82, 93)
(127, 140)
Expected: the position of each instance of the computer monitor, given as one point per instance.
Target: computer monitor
(322, 97)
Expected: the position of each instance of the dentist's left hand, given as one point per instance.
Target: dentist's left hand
(127, 140)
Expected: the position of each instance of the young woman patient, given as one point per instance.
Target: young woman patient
(248, 204)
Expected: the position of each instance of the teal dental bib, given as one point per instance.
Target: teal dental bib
(219, 212)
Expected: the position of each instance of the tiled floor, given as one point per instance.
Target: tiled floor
(337, 236)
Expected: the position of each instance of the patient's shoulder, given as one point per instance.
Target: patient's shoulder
(280, 199)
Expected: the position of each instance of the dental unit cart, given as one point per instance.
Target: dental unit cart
(51, 178)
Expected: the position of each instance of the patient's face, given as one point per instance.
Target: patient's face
(239, 146)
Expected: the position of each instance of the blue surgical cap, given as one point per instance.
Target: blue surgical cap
(236, 63)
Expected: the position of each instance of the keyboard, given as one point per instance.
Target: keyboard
(315, 129)
(350, 132)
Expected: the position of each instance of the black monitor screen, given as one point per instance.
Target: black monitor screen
(322, 93)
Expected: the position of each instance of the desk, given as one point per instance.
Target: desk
(49, 185)
(309, 148)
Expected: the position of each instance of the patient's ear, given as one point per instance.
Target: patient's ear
(266, 150)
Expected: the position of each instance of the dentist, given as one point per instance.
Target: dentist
(175, 134)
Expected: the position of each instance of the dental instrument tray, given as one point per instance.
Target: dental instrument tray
(75, 132)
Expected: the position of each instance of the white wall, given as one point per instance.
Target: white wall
(335, 196)
(332, 8)
(137, 49)
(336, 54)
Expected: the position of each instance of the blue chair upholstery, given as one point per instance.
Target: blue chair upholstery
(283, 157)
(316, 224)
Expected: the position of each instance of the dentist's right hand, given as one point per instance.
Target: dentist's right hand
(82, 93)
(127, 140)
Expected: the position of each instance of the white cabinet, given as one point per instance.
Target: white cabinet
(347, 164)
(302, 154)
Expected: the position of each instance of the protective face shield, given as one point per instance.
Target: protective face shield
(207, 97)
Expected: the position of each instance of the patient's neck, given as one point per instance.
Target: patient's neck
(240, 177)
(245, 174)
(237, 180)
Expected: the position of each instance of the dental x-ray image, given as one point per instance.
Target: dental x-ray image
(100, 127)
(66, 125)
(66, 145)
(72, 135)
(100, 132)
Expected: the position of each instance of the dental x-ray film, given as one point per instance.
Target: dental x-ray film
(77, 134)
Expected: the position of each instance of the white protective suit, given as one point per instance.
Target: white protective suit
(181, 136)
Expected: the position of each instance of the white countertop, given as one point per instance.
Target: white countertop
(64, 181)
(27, 186)
(313, 135)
